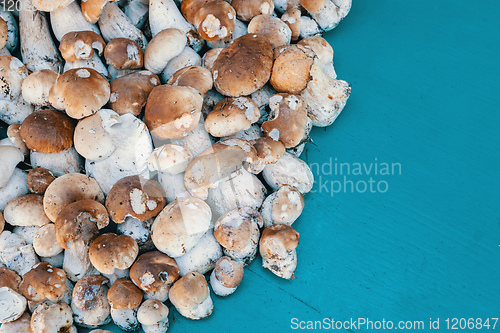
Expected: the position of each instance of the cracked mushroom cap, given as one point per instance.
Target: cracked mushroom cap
(269, 151)
(91, 9)
(320, 47)
(39, 179)
(189, 291)
(80, 220)
(123, 294)
(47, 131)
(228, 272)
(67, 189)
(248, 9)
(232, 115)
(272, 28)
(9, 278)
(292, 18)
(36, 87)
(234, 229)
(277, 240)
(129, 93)
(109, 252)
(44, 282)
(172, 111)
(26, 210)
(50, 5)
(53, 318)
(196, 77)
(77, 45)
(151, 312)
(153, 271)
(11, 77)
(20, 325)
(170, 158)
(215, 20)
(123, 53)
(283, 206)
(291, 68)
(244, 66)
(287, 120)
(89, 303)
(80, 92)
(137, 197)
(4, 36)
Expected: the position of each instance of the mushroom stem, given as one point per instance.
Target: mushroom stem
(67, 161)
(70, 18)
(37, 47)
(115, 24)
(12, 30)
(126, 319)
(308, 27)
(137, 11)
(93, 62)
(76, 260)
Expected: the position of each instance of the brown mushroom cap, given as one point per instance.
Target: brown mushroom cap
(196, 77)
(215, 20)
(80, 220)
(137, 197)
(50, 5)
(272, 28)
(26, 210)
(129, 93)
(69, 188)
(151, 312)
(39, 179)
(277, 240)
(90, 293)
(287, 205)
(189, 291)
(234, 229)
(4, 30)
(44, 282)
(172, 110)
(80, 45)
(320, 47)
(313, 6)
(47, 131)
(14, 134)
(80, 92)
(269, 151)
(190, 7)
(153, 270)
(91, 9)
(123, 294)
(229, 272)
(248, 9)
(9, 278)
(123, 53)
(291, 69)
(232, 115)
(288, 119)
(292, 18)
(111, 251)
(244, 66)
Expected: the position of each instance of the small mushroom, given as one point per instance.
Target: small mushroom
(273, 28)
(53, 318)
(215, 20)
(291, 68)
(12, 305)
(14, 136)
(77, 45)
(191, 297)
(15, 254)
(89, 304)
(43, 283)
(277, 248)
(268, 150)
(238, 233)
(248, 9)
(153, 315)
(226, 276)
(154, 273)
(36, 87)
(39, 179)
(45, 241)
(111, 252)
(289, 170)
(26, 210)
(125, 298)
(283, 206)
(123, 53)
(232, 115)
(323, 51)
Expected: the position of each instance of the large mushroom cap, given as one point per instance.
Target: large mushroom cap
(244, 66)
(232, 115)
(272, 28)
(109, 252)
(248, 9)
(196, 77)
(89, 297)
(36, 86)
(26, 210)
(80, 92)
(44, 282)
(152, 270)
(123, 294)
(135, 196)
(47, 131)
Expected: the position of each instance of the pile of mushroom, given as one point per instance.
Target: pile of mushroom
(152, 153)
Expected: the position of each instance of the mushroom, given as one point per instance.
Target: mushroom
(129, 93)
(189, 8)
(139, 230)
(261, 98)
(209, 57)
(125, 298)
(154, 273)
(283, 206)
(14, 188)
(20, 325)
(273, 28)
(123, 53)
(27, 233)
(45, 241)
(238, 233)
(292, 18)
(80, 92)
(89, 304)
(37, 47)
(11, 156)
(26, 210)
(196, 140)
(289, 170)
(36, 87)
(244, 66)
(4, 33)
(9, 278)
(135, 196)
(277, 248)
(137, 11)
(48, 6)
(69, 18)
(38, 180)
(43, 283)
(92, 9)
(226, 276)
(268, 151)
(14, 139)
(323, 51)
(53, 318)
(240, 29)
(172, 110)
(15, 254)
(291, 68)
(12, 305)
(157, 55)
(115, 24)
(68, 189)
(93, 62)
(153, 315)
(232, 115)
(188, 57)
(191, 297)
(215, 20)
(170, 158)
(308, 27)
(332, 13)
(248, 9)
(78, 45)
(202, 257)
(111, 254)
(180, 225)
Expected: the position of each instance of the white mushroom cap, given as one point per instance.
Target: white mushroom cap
(283, 206)
(152, 312)
(12, 305)
(26, 210)
(91, 140)
(45, 241)
(53, 318)
(170, 158)
(11, 156)
(36, 87)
